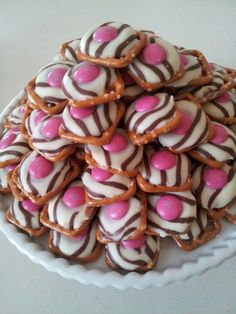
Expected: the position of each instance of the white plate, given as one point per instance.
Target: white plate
(173, 265)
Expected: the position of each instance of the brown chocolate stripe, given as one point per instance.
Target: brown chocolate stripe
(221, 108)
(125, 164)
(55, 207)
(72, 52)
(193, 67)
(83, 247)
(147, 167)
(168, 115)
(137, 262)
(123, 45)
(154, 69)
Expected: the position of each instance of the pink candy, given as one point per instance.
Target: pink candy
(40, 167)
(134, 244)
(223, 98)
(30, 206)
(74, 197)
(50, 128)
(100, 175)
(153, 54)
(86, 73)
(169, 207)
(220, 134)
(184, 125)
(105, 34)
(10, 167)
(55, 77)
(146, 103)
(118, 210)
(183, 59)
(81, 113)
(39, 116)
(215, 179)
(163, 160)
(22, 110)
(117, 143)
(7, 140)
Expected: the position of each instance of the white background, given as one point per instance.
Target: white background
(30, 34)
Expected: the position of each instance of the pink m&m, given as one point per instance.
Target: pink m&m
(50, 128)
(223, 98)
(7, 140)
(81, 113)
(169, 207)
(134, 244)
(215, 179)
(118, 210)
(74, 197)
(40, 167)
(105, 34)
(184, 125)
(153, 54)
(55, 77)
(86, 73)
(183, 59)
(163, 160)
(117, 143)
(100, 175)
(39, 116)
(146, 103)
(10, 167)
(30, 206)
(220, 135)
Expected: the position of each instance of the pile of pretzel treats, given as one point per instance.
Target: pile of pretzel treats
(122, 140)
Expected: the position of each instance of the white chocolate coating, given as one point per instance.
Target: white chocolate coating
(175, 227)
(126, 40)
(15, 117)
(195, 135)
(70, 51)
(3, 178)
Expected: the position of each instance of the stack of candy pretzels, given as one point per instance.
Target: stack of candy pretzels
(122, 140)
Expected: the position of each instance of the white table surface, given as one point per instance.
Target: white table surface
(30, 34)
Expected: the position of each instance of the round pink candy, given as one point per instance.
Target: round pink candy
(117, 143)
(7, 140)
(100, 175)
(223, 98)
(153, 54)
(215, 179)
(134, 244)
(40, 167)
(81, 113)
(10, 167)
(163, 160)
(74, 197)
(30, 206)
(146, 103)
(22, 110)
(39, 116)
(183, 59)
(118, 210)
(169, 207)
(184, 125)
(50, 128)
(55, 77)
(86, 73)
(105, 34)
(220, 135)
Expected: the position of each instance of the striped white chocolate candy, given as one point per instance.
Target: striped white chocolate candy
(75, 247)
(15, 117)
(153, 171)
(126, 259)
(120, 220)
(33, 120)
(49, 183)
(193, 132)
(72, 216)
(221, 107)
(175, 226)
(48, 81)
(48, 146)
(70, 51)
(111, 187)
(221, 147)
(161, 71)
(94, 124)
(142, 122)
(119, 40)
(12, 145)
(214, 188)
(218, 68)
(127, 159)
(25, 218)
(97, 85)
(131, 90)
(193, 70)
